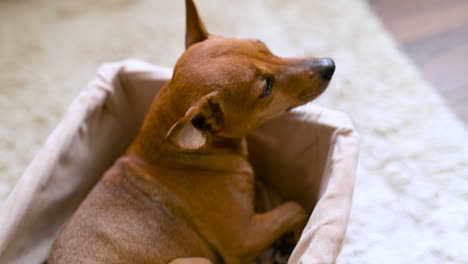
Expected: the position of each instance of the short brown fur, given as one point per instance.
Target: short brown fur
(184, 190)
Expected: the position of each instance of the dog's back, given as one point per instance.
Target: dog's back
(120, 222)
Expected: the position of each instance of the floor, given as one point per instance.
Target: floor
(434, 34)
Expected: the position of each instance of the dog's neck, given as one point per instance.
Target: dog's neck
(151, 145)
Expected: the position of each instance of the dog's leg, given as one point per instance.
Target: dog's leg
(191, 261)
(270, 226)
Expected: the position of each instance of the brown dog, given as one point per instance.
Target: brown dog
(184, 191)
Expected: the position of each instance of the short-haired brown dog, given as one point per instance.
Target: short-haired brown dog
(184, 191)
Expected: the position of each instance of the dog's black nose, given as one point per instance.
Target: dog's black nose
(326, 68)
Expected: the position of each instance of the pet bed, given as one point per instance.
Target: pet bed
(308, 155)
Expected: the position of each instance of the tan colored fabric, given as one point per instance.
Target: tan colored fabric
(309, 155)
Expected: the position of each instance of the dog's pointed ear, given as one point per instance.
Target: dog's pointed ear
(195, 29)
(202, 120)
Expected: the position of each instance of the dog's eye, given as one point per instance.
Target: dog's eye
(268, 87)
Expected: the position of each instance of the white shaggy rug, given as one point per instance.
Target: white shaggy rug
(410, 203)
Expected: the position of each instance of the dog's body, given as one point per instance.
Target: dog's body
(185, 188)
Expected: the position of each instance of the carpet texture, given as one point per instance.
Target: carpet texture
(410, 202)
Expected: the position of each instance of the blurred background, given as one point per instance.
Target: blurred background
(401, 73)
(435, 35)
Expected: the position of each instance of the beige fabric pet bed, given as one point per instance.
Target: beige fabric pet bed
(309, 155)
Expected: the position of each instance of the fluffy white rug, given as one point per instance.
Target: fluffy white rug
(410, 203)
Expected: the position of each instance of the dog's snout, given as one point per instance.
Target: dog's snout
(326, 68)
(322, 68)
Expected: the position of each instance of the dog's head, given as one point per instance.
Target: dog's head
(237, 84)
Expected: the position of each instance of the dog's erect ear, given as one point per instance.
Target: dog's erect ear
(201, 120)
(195, 29)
